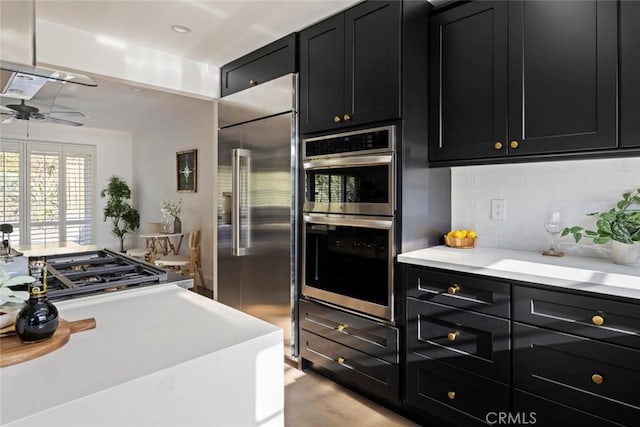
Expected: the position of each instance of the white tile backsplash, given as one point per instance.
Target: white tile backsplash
(576, 187)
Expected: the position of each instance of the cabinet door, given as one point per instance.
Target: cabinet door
(372, 62)
(562, 76)
(629, 72)
(271, 61)
(322, 75)
(468, 74)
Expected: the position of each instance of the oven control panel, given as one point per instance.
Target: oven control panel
(357, 142)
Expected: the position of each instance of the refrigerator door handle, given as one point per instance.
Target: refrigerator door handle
(240, 191)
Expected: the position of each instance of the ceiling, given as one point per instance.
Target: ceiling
(221, 31)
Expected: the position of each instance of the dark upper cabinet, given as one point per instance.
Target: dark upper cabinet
(629, 73)
(350, 68)
(273, 60)
(523, 78)
(468, 74)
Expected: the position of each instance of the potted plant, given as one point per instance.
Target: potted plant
(620, 225)
(171, 208)
(124, 218)
(11, 301)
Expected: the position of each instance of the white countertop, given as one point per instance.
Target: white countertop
(138, 334)
(598, 275)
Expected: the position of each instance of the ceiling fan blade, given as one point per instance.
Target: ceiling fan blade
(64, 122)
(6, 109)
(69, 113)
(10, 119)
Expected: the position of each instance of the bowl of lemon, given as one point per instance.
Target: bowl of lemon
(463, 239)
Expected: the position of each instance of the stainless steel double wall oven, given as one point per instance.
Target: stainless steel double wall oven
(348, 228)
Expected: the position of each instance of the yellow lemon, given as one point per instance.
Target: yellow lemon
(459, 234)
(450, 233)
(471, 234)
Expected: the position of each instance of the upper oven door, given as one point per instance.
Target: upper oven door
(361, 185)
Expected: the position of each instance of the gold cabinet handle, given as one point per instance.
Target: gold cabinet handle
(453, 289)
(453, 335)
(336, 119)
(341, 360)
(513, 144)
(597, 379)
(498, 145)
(451, 395)
(253, 82)
(597, 320)
(346, 117)
(342, 327)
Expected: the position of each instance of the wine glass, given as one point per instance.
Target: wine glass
(553, 224)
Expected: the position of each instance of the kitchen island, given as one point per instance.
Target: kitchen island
(159, 356)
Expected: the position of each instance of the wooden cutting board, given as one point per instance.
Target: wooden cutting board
(13, 350)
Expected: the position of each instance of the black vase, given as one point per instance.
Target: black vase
(38, 320)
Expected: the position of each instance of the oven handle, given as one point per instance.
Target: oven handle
(350, 220)
(236, 155)
(336, 162)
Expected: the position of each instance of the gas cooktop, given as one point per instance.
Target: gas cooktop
(87, 273)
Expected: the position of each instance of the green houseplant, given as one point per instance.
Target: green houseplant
(620, 225)
(124, 218)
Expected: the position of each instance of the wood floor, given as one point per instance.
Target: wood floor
(314, 401)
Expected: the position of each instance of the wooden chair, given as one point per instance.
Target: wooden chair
(186, 264)
(143, 253)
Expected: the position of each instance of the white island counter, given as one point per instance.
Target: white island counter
(159, 356)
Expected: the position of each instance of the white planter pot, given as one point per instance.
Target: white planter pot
(624, 253)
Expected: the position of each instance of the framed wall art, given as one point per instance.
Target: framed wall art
(187, 171)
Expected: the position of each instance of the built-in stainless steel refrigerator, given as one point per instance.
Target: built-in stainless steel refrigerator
(256, 181)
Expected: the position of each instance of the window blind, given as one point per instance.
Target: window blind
(10, 188)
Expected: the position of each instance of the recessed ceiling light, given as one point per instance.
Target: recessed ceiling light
(137, 89)
(181, 29)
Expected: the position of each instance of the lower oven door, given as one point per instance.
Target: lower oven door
(348, 261)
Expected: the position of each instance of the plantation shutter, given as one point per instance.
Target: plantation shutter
(79, 195)
(45, 198)
(10, 188)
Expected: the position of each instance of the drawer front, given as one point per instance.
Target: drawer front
(448, 392)
(356, 332)
(273, 60)
(475, 342)
(351, 367)
(578, 372)
(612, 321)
(545, 412)
(487, 296)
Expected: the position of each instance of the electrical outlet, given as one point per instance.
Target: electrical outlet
(498, 210)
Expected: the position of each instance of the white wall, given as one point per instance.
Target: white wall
(154, 174)
(576, 187)
(113, 157)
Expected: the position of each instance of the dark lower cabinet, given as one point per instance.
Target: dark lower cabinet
(352, 350)
(557, 358)
(534, 410)
(629, 72)
(451, 394)
(578, 372)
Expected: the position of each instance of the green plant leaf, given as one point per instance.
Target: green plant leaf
(600, 240)
(590, 233)
(604, 226)
(620, 233)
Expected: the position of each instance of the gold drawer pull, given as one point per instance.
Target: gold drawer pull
(514, 144)
(597, 320)
(341, 360)
(253, 82)
(498, 145)
(336, 119)
(597, 379)
(346, 117)
(451, 395)
(453, 289)
(342, 327)
(453, 335)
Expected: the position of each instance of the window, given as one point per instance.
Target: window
(47, 192)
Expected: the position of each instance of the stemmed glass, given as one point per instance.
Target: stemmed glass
(553, 224)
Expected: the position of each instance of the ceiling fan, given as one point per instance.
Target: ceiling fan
(23, 111)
